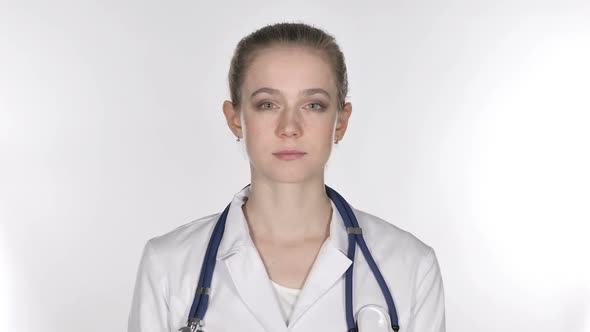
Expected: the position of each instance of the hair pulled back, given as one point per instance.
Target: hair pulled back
(292, 34)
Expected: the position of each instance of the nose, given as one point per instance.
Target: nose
(290, 124)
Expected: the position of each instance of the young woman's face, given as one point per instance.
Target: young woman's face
(289, 102)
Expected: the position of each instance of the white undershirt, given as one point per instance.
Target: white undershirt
(287, 298)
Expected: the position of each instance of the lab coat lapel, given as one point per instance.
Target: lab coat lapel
(253, 285)
(238, 252)
(247, 270)
(328, 268)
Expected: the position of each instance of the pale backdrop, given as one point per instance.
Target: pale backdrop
(469, 129)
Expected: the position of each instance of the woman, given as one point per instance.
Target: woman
(282, 258)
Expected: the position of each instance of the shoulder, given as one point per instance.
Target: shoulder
(182, 240)
(406, 262)
(386, 239)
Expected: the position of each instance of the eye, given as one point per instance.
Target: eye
(319, 106)
(265, 105)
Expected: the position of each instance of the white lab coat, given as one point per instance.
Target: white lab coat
(243, 298)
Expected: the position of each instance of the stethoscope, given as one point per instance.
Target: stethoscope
(201, 300)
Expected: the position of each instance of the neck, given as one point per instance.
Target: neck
(288, 212)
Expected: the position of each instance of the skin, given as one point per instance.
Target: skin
(288, 212)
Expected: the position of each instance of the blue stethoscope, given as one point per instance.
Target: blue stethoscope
(201, 300)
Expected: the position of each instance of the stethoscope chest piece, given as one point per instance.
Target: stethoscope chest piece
(373, 318)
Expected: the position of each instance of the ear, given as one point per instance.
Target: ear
(232, 116)
(342, 123)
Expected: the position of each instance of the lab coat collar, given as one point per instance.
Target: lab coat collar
(236, 234)
(251, 279)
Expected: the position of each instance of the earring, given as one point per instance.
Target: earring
(336, 141)
(238, 139)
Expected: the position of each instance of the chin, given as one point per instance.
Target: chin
(287, 175)
(290, 171)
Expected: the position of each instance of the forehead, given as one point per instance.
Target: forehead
(289, 69)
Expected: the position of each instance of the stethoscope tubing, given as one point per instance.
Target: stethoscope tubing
(339, 202)
(199, 308)
(201, 299)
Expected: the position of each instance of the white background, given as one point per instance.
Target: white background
(470, 129)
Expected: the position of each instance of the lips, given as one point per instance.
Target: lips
(289, 151)
(289, 154)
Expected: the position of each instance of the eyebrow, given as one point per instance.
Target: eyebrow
(306, 92)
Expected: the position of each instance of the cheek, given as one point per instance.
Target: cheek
(327, 130)
(253, 129)
(323, 136)
(257, 139)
